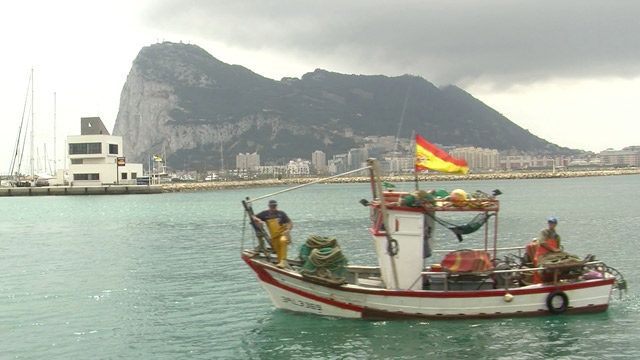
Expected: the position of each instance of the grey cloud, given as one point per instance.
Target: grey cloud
(443, 41)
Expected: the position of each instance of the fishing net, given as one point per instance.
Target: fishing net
(324, 262)
(565, 266)
(472, 226)
(559, 258)
(316, 242)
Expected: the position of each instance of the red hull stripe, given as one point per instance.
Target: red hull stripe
(459, 294)
(264, 276)
(369, 313)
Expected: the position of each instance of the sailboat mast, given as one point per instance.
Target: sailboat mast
(32, 159)
(55, 141)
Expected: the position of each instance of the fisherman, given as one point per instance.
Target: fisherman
(279, 226)
(548, 241)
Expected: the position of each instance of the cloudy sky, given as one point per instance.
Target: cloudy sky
(568, 71)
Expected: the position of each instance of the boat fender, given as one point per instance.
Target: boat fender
(551, 302)
(392, 247)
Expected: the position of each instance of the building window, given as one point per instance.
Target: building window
(134, 175)
(123, 176)
(113, 149)
(86, 177)
(76, 161)
(85, 148)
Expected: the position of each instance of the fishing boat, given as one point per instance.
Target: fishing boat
(490, 281)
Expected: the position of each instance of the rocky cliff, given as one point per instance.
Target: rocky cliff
(180, 101)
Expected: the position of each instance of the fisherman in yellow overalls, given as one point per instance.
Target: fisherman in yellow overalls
(279, 226)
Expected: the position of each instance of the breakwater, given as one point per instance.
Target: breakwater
(216, 185)
(80, 190)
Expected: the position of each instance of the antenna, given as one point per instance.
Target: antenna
(404, 108)
(221, 158)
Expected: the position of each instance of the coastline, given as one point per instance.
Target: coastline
(511, 175)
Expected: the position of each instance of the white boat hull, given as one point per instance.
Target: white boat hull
(288, 290)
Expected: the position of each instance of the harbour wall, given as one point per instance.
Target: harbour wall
(216, 185)
(80, 190)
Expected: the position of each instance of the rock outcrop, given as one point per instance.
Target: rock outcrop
(181, 102)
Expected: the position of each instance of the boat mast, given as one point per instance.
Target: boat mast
(392, 244)
(55, 158)
(31, 154)
(16, 162)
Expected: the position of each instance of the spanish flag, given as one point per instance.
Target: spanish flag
(428, 156)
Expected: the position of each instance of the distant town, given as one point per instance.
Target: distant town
(397, 157)
(95, 158)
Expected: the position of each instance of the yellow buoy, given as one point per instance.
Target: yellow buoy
(458, 197)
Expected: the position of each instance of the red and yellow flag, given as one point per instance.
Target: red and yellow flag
(428, 156)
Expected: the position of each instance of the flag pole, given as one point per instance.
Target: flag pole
(415, 163)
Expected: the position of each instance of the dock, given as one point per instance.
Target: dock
(80, 190)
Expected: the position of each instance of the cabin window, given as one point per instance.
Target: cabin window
(86, 176)
(134, 175)
(85, 148)
(123, 176)
(76, 161)
(113, 149)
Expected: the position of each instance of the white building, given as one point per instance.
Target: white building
(338, 164)
(93, 157)
(247, 161)
(400, 164)
(478, 158)
(298, 167)
(319, 161)
(629, 156)
(356, 158)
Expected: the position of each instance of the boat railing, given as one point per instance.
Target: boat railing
(510, 274)
(506, 271)
(394, 199)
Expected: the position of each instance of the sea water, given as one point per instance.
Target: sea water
(160, 276)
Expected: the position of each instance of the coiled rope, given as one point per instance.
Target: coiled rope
(557, 258)
(318, 242)
(326, 257)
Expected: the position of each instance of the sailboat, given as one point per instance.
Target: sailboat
(17, 179)
(42, 175)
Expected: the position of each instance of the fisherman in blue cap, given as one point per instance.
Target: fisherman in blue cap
(548, 242)
(549, 239)
(279, 226)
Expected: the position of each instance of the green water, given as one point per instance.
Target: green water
(160, 277)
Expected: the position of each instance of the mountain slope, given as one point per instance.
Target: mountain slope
(180, 101)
